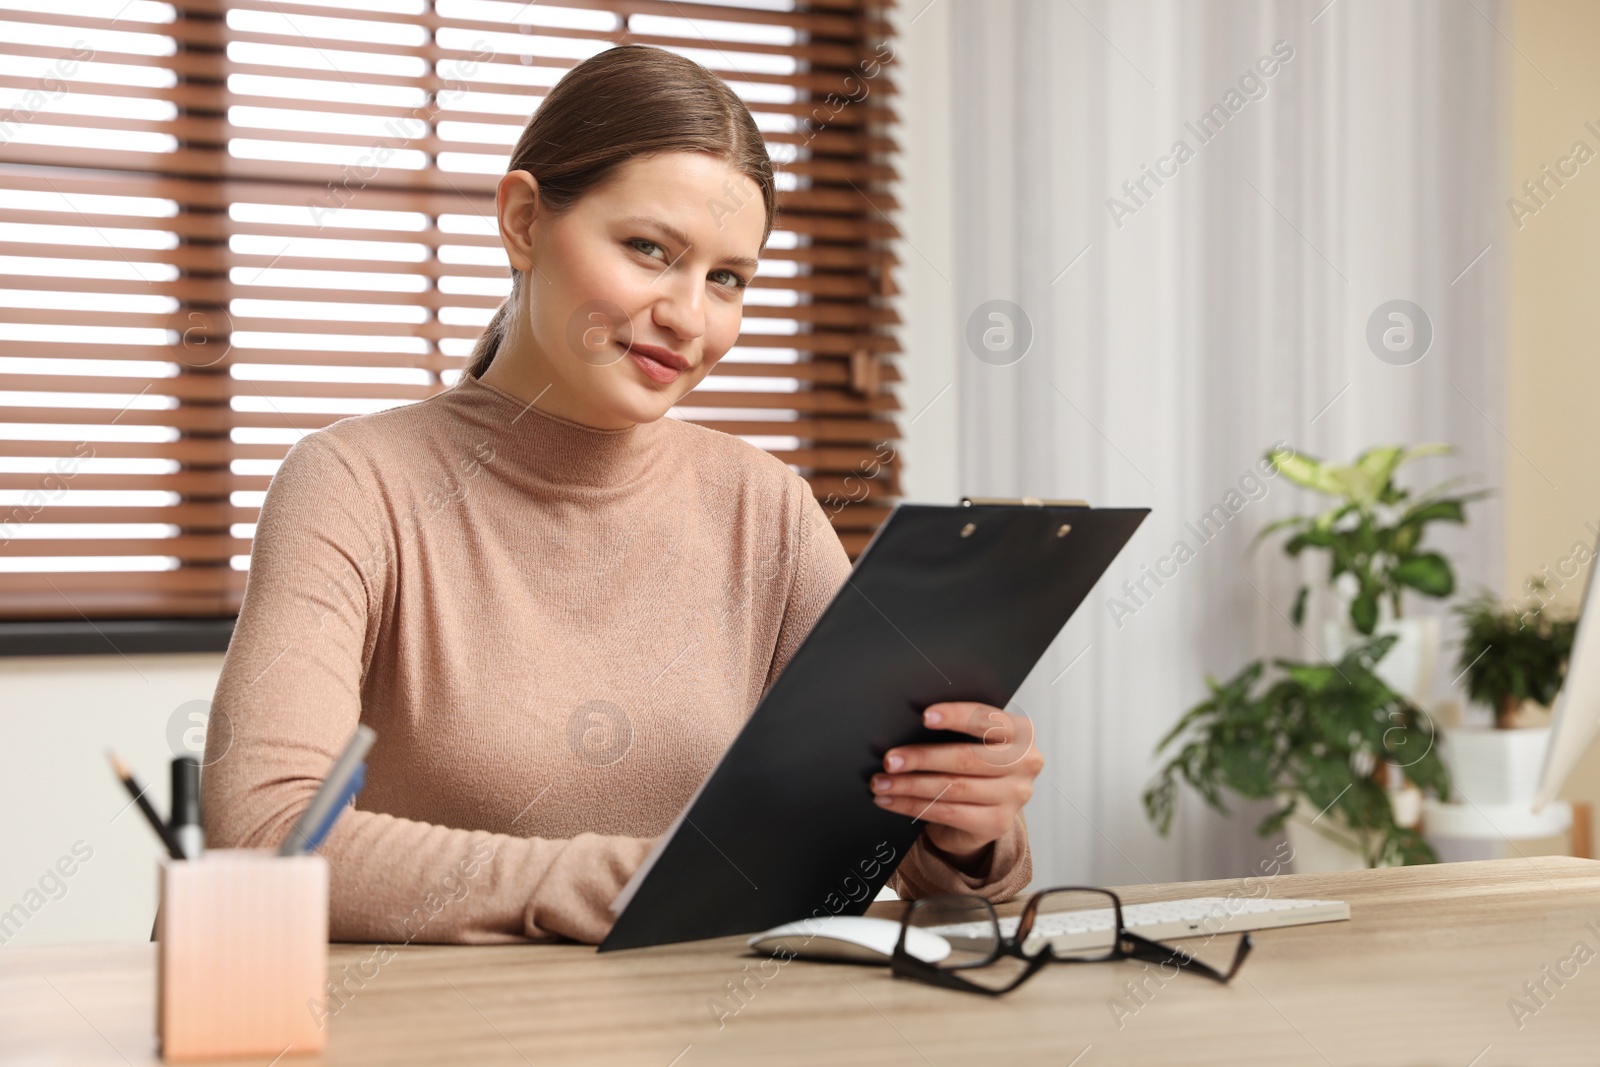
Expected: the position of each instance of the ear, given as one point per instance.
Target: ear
(517, 204)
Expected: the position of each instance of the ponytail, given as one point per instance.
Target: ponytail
(494, 334)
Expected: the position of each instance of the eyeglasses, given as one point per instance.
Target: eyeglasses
(944, 939)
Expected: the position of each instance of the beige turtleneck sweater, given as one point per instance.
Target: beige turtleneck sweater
(555, 630)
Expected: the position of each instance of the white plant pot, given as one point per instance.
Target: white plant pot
(1317, 849)
(1490, 767)
(1412, 661)
(1407, 805)
(1323, 843)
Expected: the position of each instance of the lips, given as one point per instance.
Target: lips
(664, 356)
(658, 364)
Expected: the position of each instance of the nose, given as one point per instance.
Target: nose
(680, 308)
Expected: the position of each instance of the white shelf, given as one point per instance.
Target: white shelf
(1479, 822)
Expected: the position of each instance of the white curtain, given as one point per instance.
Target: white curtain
(1179, 335)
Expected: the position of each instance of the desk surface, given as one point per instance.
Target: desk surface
(1424, 973)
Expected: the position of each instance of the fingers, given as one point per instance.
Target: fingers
(1004, 741)
(956, 789)
(965, 757)
(991, 725)
(973, 788)
(986, 822)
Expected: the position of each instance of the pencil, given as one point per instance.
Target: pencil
(136, 791)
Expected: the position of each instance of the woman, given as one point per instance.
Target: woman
(555, 606)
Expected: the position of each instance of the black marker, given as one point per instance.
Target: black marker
(185, 821)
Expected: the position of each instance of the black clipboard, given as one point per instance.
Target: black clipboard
(947, 602)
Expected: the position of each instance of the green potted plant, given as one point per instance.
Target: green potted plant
(1373, 534)
(1508, 657)
(1322, 741)
(1509, 660)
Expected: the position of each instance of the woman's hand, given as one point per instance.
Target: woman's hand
(969, 794)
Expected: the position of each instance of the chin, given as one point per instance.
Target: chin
(642, 405)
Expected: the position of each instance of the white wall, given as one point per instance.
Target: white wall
(58, 716)
(1553, 482)
(927, 249)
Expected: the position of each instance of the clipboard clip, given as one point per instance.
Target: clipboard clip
(1030, 501)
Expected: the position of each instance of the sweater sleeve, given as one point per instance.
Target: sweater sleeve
(1004, 873)
(289, 697)
(822, 566)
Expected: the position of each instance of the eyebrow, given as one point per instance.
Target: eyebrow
(683, 239)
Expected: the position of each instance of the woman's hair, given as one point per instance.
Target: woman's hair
(618, 105)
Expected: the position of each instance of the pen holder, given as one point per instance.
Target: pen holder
(243, 954)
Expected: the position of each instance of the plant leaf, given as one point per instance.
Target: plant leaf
(1314, 536)
(1434, 448)
(1364, 611)
(1273, 527)
(1429, 574)
(1366, 479)
(1448, 510)
(1308, 473)
(1313, 677)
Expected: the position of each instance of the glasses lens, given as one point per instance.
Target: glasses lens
(1077, 924)
(952, 931)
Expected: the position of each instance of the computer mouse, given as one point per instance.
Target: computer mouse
(849, 938)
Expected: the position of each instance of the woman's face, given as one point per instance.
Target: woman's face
(634, 294)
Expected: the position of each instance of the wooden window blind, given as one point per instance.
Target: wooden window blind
(227, 223)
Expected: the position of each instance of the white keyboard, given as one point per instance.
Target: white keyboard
(1166, 920)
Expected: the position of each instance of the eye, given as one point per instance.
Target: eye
(646, 248)
(734, 281)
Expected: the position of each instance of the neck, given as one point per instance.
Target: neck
(520, 368)
(536, 446)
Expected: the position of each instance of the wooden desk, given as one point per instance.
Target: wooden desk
(1422, 974)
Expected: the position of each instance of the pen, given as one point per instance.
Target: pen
(185, 820)
(357, 780)
(137, 792)
(327, 799)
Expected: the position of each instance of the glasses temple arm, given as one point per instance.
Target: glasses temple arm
(1155, 952)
